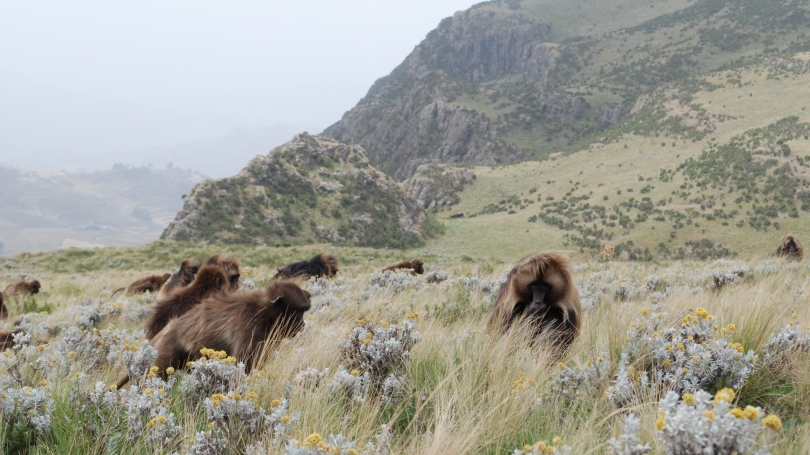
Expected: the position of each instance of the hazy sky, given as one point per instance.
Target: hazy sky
(85, 84)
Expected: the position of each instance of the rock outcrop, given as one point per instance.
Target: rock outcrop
(437, 185)
(312, 189)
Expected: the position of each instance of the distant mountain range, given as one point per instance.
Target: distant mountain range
(124, 206)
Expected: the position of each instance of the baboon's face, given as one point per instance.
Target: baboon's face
(34, 287)
(419, 268)
(234, 280)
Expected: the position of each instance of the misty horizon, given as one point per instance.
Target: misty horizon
(85, 87)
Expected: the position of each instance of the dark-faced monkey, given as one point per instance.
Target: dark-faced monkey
(210, 280)
(180, 278)
(540, 291)
(22, 289)
(151, 284)
(414, 264)
(231, 268)
(237, 323)
(790, 249)
(321, 265)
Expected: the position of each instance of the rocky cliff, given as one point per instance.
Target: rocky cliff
(512, 80)
(436, 186)
(312, 189)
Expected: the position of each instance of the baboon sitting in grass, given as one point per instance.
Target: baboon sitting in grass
(414, 264)
(790, 249)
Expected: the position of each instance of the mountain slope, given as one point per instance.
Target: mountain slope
(498, 83)
(310, 190)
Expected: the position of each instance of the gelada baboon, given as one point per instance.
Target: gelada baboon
(231, 267)
(237, 323)
(540, 290)
(7, 339)
(414, 264)
(210, 280)
(180, 278)
(149, 284)
(22, 288)
(790, 249)
(322, 264)
(3, 308)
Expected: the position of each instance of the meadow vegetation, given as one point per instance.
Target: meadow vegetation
(395, 363)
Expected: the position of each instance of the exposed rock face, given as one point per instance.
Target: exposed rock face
(610, 114)
(436, 185)
(309, 190)
(408, 118)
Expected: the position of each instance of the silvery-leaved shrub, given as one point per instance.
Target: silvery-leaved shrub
(25, 412)
(315, 444)
(555, 447)
(628, 385)
(214, 372)
(568, 382)
(375, 352)
(700, 423)
(629, 443)
(695, 355)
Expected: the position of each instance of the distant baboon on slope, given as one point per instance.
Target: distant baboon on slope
(180, 278)
(237, 323)
(322, 264)
(151, 284)
(210, 280)
(22, 288)
(414, 264)
(3, 308)
(790, 249)
(540, 291)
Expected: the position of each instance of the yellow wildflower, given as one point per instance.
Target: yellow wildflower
(660, 423)
(286, 419)
(709, 414)
(645, 311)
(701, 313)
(724, 395)
(274, 403)
(681, 347)
(773, 422)
(556, 441)
(736, 412)
(731, 327)
(43, 383)
(751, 413)
(314, 439)
(170, 371)
(355, 373)
(689, 399)
(667, 363)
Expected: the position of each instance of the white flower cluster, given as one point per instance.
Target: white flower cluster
(237, 412)
(567, 382)
(629, 443)
(214, 372)
(310, 378)
(701, 424)
(24, 408)
(210, 442)
(354, 384)
(320, 286)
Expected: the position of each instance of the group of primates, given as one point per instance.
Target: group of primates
(200, 306)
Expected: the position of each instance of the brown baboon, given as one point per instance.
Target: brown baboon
(790, 249)
(414, 264)
(7, 339)
(231, 267)
(540, 290)
(180, 278)
(22, 288)
(149, 284)
(3, 308)
(322, 264)
(237, 323)
(211, 279)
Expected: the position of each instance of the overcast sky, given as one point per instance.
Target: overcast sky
(85, 84)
